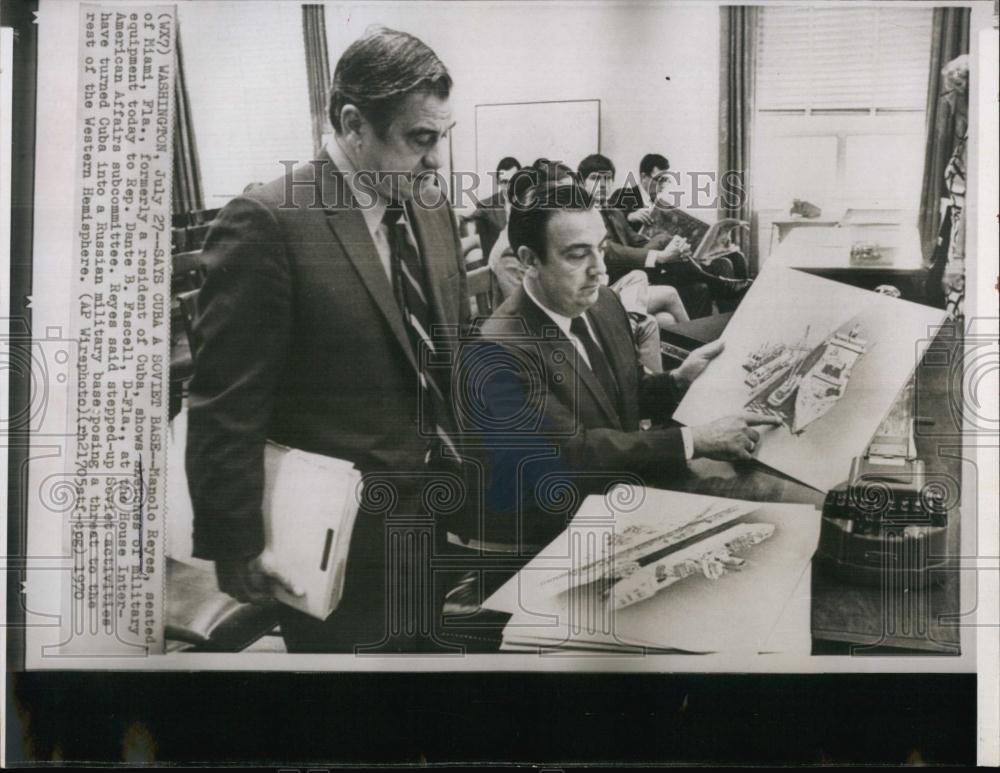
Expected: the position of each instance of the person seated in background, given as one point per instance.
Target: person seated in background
(633, 288)
(665, 258)
(597, 174)
(637, 200)
(501, 259)
(490, 216)
(560, 405)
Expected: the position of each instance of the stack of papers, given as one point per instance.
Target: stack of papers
(310, 503)
(579, 592)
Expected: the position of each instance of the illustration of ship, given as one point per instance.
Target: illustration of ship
(800, 384)
(825, 382)
(770, 364)
(713, 557)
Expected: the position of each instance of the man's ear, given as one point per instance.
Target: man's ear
(351, 122)
(527, 257)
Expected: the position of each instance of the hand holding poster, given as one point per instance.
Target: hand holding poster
(826, 358)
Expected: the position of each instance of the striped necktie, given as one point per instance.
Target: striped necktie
(598, 362)
(410, 287)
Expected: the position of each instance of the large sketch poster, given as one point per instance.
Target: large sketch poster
(827, 358)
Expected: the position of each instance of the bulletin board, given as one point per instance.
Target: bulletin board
(561, 130)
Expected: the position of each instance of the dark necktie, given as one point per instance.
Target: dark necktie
(410, 288)
(598, 362)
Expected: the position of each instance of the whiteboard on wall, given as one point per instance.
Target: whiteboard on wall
(563, 130)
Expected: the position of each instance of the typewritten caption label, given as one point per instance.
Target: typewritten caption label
(121, 318)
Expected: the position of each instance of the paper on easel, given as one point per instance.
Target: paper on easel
(310, 503)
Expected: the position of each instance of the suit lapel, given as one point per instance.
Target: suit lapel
(348, 226)
(540, 323)
(618, 349)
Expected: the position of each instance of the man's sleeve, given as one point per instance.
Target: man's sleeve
(625, 200)
(659, 395)
(243, 326)
(518, 412)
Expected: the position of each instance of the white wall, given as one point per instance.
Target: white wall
(618, 53)
(246, 77)
(247, 80)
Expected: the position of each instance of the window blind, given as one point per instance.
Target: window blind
(843, 60)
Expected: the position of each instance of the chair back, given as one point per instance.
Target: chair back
(481, 290)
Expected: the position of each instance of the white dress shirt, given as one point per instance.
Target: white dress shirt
(644, 195)
(564, 322)
(652, 255)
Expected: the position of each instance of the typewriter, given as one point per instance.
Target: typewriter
(887, 523)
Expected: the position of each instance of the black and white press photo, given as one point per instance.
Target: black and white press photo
(567, 337)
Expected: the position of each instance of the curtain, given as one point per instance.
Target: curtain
(317, 69)
(950, 38)
(187, 193)
(737, 76)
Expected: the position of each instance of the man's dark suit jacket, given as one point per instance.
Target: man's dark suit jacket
(303, 343)
(546, 423)
(626, 250)
(628, 200)
(490, 218)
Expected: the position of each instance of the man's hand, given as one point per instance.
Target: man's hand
(731, 438)
(251, 580)
(954, 277)
(658, 242)
(696, 362)
(678, 248)
(640, 217)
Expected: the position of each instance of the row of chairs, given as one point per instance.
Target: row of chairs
(188, 229)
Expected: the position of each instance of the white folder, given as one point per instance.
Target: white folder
(310, 503)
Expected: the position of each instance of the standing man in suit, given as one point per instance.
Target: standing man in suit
(636, 200)
(324, 289)
(491, 215)
(557, 392)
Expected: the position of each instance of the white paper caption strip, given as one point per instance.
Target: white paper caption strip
(121, 318)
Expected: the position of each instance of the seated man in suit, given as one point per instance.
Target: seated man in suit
(555, 393)
(509, 271)
(635, 200)
(627, 250)
(665, 258)
(490, 216)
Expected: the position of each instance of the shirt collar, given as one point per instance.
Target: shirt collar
(373, 215)
(561, 320)
(646, 200)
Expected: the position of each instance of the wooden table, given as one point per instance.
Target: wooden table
(846, 618)
(826, 252)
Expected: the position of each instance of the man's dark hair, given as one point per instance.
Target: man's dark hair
(595, 162)
(552, 171)
(529, 218)
(379, 71)
(520, 183)
(652, 161)
(508, 162)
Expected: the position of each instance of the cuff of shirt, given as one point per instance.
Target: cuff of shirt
(688, 443)
(651, 257)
